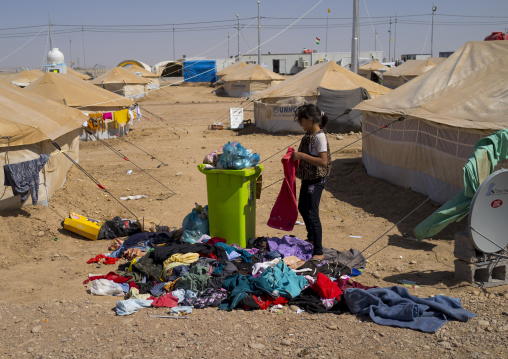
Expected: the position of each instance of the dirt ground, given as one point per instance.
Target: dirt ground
(46, 311)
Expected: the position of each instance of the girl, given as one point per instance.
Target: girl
(315, 165)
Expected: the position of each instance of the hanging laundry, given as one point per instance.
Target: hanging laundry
(285, 210)
(24, 177)
(107, 116)
(138, 113)
(121, 116)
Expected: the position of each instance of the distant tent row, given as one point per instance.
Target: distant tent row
(249, 79)
(26, 77)
(29, 123)
(448, 108)
(331, 86)
(123, 82)
(409, 70)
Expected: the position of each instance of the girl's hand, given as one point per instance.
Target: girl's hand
(297, 156)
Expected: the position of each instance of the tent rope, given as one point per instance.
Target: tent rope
(152, 156)
(91, 177)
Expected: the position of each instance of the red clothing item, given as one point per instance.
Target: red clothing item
(348, 283)
(216, 240)
(101, 258)
(265, 301)
(326, 288)
(285, 210)
(167, 301)
(110, 276)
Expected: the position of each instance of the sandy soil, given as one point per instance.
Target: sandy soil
(46, 311)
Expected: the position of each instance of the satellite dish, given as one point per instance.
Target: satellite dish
(488, 215)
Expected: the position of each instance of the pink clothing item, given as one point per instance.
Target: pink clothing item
(107, 115)
(285, 210)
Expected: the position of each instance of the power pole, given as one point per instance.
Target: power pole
(174, 54)
(228, 45)
(434, 8)
(70, 49)
(395, 39)
(354, 41)
(83, 32)
(259, 36)
(238, 19)
(375, 40)
(390, 41)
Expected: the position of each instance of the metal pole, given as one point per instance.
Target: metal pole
(228, 45)
(395, 39)
(390, 41)
(83, 32)
(174, 54)
(326, 39)
(259, 36)
(354, 41)
(434, 8)
(375, 40)
(70, 50)
(49, 32)
(238, 18)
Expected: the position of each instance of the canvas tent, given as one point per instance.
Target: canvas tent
(249, 80)
(123, 82)
(168, 69)
(448, 110)
(274, 107)
(406, 72)
(371, 68)
(26, 77)
(78, 74)
(29, 123)
(71, 91)
(230, 69)
(153, 83)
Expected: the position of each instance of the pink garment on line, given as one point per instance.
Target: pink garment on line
(285, 210)
(107, 115)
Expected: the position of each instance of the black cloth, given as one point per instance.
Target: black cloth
(308, 206)
(24, 177)
(330, 269)
(161, 253)
(352, 258)
(148, 266)
(118, 227)
(309, 301)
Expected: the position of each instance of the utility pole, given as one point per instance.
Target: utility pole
(49, 32)
(70, 49)
(174, 54)
(354, 41)
(326, 41)
(259, 36)
(434, 8)
(83, 32)
(238, 19)
(375, 40)
(228, 45)
(395, 39)
(390, 41)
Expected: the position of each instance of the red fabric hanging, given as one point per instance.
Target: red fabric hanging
(285, 210)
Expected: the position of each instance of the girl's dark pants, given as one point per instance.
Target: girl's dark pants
(308, 206)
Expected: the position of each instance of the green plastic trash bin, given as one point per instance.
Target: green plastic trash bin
(232, 203)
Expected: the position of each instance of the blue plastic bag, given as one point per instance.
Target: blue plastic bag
(235, 156)
(195, 224)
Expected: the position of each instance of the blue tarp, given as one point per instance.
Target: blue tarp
(199, 71)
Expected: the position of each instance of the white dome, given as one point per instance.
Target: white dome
(55, 56)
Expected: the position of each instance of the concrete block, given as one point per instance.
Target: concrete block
(485, 275)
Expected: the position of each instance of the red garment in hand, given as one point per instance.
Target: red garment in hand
(285, 210)
(326, 288)
(101, 258)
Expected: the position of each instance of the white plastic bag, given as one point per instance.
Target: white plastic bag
(105, 287)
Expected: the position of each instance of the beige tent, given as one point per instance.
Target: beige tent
(78, 74)
(274, 107)
(373, 67)
(406, 72)
(448, 110)
(29, 123)
(71, 91)
(123, 82)
(230, 69)
(249, 80)
(153, 83)
(25, 78)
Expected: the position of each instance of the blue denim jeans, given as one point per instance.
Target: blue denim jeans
(308, 206)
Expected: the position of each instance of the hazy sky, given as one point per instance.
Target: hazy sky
(143, 30)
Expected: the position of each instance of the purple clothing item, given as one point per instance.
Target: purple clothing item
(291, 246)
(252, 250)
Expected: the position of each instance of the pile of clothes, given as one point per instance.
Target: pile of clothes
(162, 270)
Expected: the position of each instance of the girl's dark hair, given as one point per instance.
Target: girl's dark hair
(312, 112)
